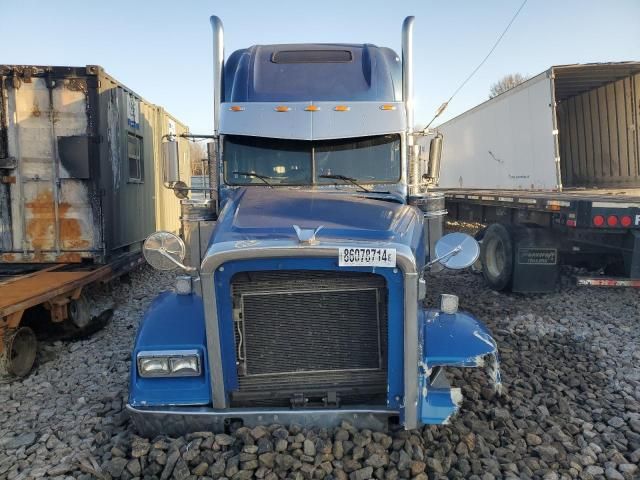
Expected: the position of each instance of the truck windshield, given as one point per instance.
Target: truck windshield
(297, 162)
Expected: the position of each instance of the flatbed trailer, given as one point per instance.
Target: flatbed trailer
(59, 290)
(595, 228)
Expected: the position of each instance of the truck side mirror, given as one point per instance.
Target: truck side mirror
(435, 153)
(170, 162)
(456, 251)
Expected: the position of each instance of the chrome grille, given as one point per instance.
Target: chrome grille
(310, 331)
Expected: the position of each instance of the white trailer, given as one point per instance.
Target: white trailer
(552, 166)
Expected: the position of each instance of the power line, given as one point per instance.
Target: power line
(495, 45)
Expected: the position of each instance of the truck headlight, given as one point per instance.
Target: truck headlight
(169, 363)
(185, 365)
(150, 367)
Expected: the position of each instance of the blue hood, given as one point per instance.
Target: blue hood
(264, 213)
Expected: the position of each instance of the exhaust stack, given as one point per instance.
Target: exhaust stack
(407, 97)
(407, 69)
(218, 66)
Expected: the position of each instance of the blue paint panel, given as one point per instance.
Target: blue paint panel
(455, 339)
(268, 214)
(172, 322)
(437, 407)
(395, 304)
(373, 74)
(388, 192)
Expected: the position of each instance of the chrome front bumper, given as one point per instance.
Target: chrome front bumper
(180, 420)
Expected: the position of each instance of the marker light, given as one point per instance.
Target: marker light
(387, 106)
(236, 108)
(342, 108)
(312, 108)
(448, 303)
(282, 108)
(626, 221)
(184, 285)
(598, 220)
(612, 220)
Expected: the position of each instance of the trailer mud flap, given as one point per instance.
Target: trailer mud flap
(451, 340)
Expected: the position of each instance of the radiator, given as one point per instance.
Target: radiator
(310, 332)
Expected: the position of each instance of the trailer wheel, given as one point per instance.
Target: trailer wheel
(479, 236)
(20, 347)
(496, 254)
(79, 313)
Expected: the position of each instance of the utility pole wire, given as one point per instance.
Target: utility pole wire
(495, 45)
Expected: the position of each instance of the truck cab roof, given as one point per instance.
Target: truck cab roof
(313, 72)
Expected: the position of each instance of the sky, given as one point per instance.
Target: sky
(162, 49)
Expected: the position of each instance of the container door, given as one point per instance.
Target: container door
(52, 213)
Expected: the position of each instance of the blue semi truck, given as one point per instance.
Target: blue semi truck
(304, 265)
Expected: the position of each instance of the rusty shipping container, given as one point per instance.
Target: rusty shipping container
(80, 166)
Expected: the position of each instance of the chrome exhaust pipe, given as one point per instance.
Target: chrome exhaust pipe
(218, 66)
(407, 97)
(407, 70)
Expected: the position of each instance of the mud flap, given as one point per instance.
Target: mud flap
(451, 340)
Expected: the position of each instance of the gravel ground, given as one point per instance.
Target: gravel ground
(571, 407)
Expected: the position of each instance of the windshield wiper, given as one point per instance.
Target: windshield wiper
(346, 179)
(264, 178)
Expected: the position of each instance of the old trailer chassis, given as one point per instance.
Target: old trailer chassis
(55, 288)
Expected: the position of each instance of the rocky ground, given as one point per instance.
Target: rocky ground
(571, 407)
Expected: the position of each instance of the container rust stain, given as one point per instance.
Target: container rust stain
(41, 227)
(41, 223)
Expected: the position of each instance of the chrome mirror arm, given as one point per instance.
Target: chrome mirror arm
(446, 256)
(165, 254)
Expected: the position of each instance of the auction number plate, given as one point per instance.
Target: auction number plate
(367, 257)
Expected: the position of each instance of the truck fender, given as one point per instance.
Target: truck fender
(451, 340)
(172, 322)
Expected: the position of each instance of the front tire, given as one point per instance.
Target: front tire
(496, 255)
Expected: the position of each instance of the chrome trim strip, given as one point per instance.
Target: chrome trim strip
(212, 330)
(437, 213)
(220, 253)
(181, 420)
(410, 350)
